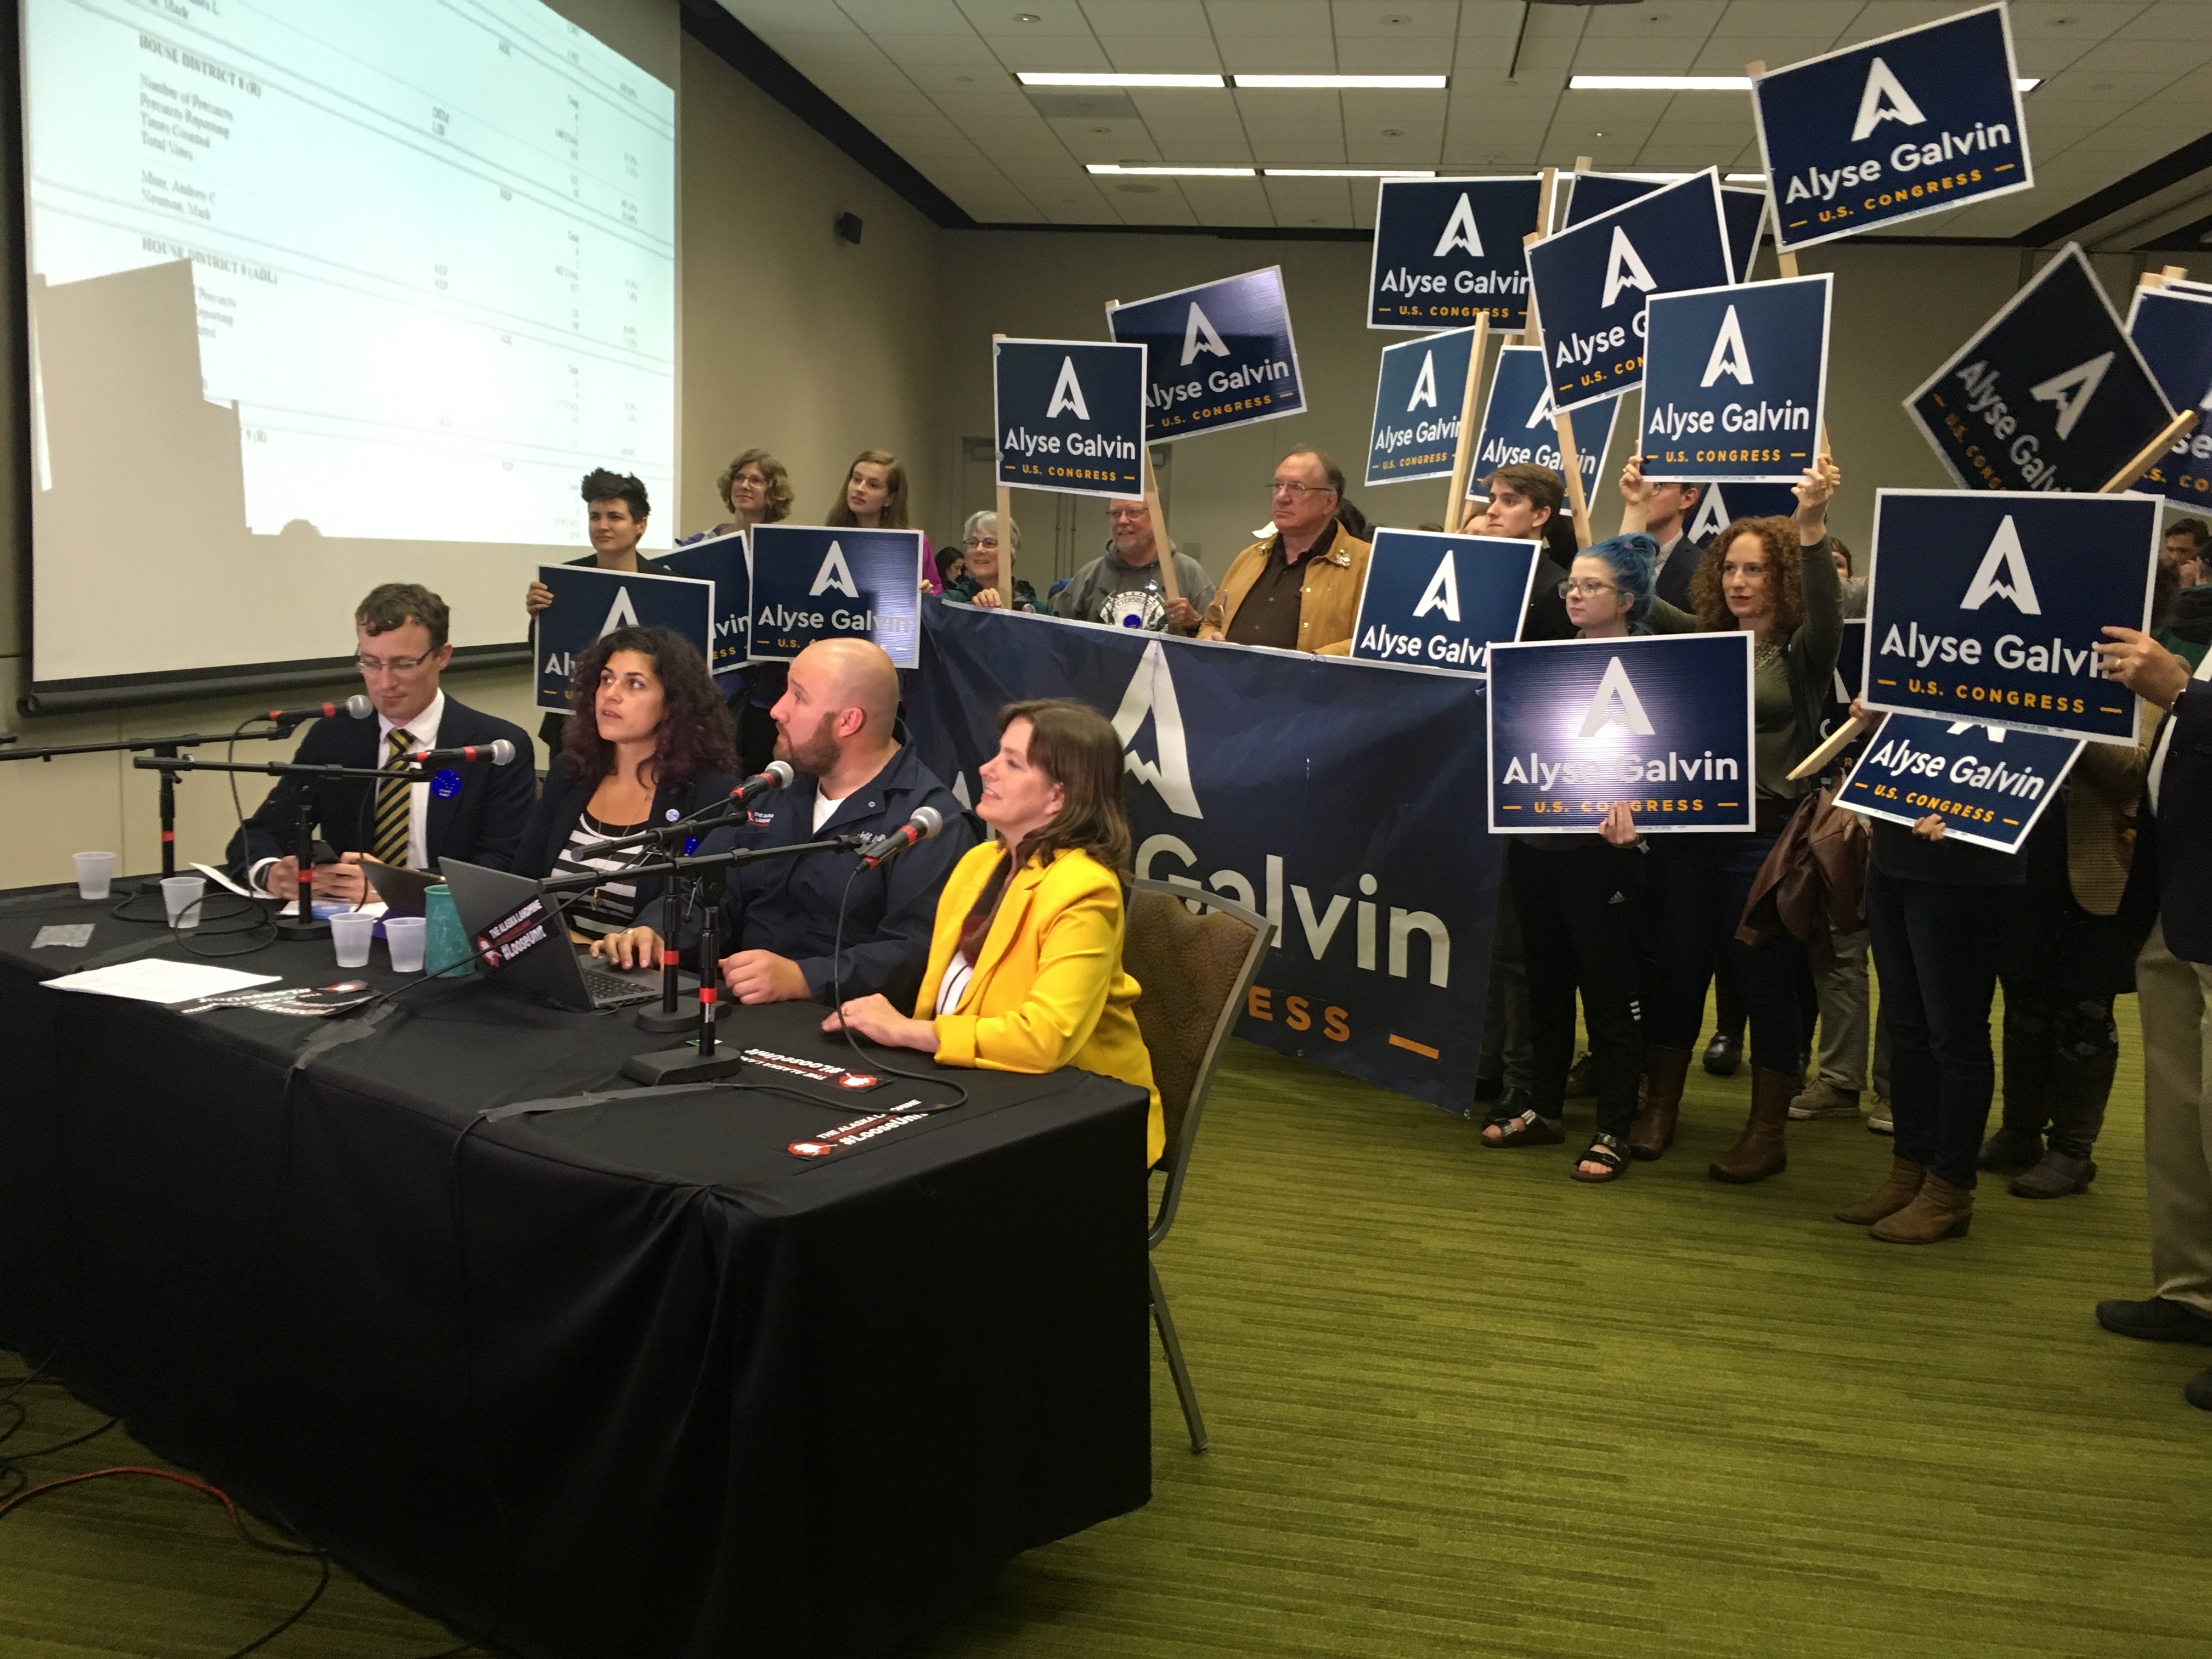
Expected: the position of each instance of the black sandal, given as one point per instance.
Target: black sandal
(1608, 1149)
(1528, 1129)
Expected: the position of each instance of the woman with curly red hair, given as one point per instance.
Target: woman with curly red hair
(651, 742)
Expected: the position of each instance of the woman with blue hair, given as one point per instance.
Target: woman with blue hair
(1580, 897)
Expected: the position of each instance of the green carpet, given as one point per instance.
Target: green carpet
(1462, 1406)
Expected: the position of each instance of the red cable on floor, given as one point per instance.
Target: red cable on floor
(216, 1493)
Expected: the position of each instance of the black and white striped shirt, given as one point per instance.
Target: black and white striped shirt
(612, 906)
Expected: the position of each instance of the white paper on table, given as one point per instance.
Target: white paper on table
(151, 978)
(219, 879)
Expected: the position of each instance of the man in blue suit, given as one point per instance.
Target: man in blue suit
(473, 811)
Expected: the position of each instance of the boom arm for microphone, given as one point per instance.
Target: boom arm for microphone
(925, 821)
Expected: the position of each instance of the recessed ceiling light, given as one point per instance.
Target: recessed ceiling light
(1698, 82)
(1350, 172)
(1339, 82)
(1054, 78)
(1171, 171)
(1394, 132)
(1027, 17)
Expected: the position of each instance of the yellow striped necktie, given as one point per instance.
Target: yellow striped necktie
(394, 804)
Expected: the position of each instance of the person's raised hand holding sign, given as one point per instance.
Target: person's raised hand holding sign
(2143, 665)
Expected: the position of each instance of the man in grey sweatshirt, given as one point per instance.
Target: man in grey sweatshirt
(1123, 585)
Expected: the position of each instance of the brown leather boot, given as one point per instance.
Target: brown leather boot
(1939, 1211)
(1899, 1188)
(1665, 1070)
(1759, 1152)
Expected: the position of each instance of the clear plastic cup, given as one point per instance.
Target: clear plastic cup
(350, 933)
(181, 897)
(95, 875)
(404, 936)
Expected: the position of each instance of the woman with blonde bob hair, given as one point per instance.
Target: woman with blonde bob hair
(1024, 968)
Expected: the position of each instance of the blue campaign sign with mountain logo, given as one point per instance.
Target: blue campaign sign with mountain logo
(1442, 600)
(1987, 606)
(1661, 723)
(1589, 194)
(1518, 425)
(588, 602)
(1724, 503)
(1988, 783)
(1735, 380)
(1069, 415)
(1217, 355)
(1447, 251)
(1916, 122)
(725, 562)
(2173, 329)
(1591, 282)
(1418, 393)
(820, 582)
(2051, 393)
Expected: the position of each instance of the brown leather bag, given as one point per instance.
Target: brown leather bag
(1812, 883)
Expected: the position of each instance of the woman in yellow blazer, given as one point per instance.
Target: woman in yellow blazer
(1025, 963)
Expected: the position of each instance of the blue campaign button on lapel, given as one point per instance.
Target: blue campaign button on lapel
(674, 814)
(446, 784)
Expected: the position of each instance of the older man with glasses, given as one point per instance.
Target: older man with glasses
(1298, 590)
(471, 810)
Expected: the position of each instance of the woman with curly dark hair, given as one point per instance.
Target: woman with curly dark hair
(1776, 580)
(650, 743)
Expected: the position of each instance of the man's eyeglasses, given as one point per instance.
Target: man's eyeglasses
(1296, 490)
(391, 665)
(1583, 587)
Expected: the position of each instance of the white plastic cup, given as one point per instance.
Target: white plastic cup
(405, 937)
(95, 875)
(350, 933)
(181, 897)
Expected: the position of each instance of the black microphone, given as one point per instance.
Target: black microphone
(778, 775)
(925, 821)
(498, 751)
(356, 705)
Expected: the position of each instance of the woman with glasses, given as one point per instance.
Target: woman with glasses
(978, 582)
(1580, 899)
(757, 490)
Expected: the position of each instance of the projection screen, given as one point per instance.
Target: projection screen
(321, 294)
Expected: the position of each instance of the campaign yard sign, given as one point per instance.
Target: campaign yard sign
(1589, 194)
(1069, 415)
(1418, 393)
(2173, 329)
(2051, 393)
(1916, 122)
(818, 582)
(1591, 282)
(588, 602)
(1518, 425)
(1447, 251)
(1723, 503)
(1441, 600)
(1217, 355)
(1660, 722)
(1735, 380)
(1986, 606)
(724, 562)
(1843, 684)
(1989, 783)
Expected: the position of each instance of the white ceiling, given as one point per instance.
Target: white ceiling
(2126, 82)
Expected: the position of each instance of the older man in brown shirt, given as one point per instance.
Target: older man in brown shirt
(1300, 589)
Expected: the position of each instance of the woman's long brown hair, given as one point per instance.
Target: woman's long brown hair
(1076, 747)
(840, 515)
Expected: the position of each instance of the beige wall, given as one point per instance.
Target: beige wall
(815, 349)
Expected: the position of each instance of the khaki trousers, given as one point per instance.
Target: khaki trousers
(2175, 999)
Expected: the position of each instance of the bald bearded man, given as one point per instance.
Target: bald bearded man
(834, 724)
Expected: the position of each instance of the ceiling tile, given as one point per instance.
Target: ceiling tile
(1269, 19)
(1149, 19)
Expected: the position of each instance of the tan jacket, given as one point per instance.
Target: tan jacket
(1328, 598)
(2101, 794)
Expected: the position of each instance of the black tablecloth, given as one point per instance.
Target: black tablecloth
(629, 1379)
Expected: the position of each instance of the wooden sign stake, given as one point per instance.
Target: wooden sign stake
(1469, 419)
(1006, 531)
(1161, 550)
(1563, 425)
(2179, 426)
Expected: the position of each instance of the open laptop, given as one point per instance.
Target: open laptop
(400, 888)
(557, 971)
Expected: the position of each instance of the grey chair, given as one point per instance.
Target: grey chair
(1194, 972)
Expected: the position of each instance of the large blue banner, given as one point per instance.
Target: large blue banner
(1589, 194)
(1447, 251)
(1254, 773)
(1989, 783)
(1735, 380)
(1920, 121)
(1591, 282)
(1987, 606)
(2049, 394)
(1418, 393)
(2173, 329)
(1661, 723)
(588, 602)
(815, 582)
(1441, 600)
(1518, 425)
(724, 562)
(1069, 415)
(1217, 355)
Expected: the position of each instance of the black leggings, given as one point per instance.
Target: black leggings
(2060, 1052)
(1579, 907)
(1701, 883)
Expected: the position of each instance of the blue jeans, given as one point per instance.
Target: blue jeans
(1936, 949)
(1699, 886)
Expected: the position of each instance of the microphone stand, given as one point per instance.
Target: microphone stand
(306, 924)
(671, 1016)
